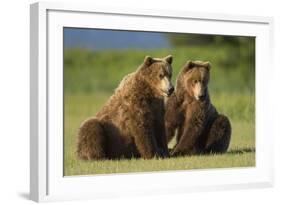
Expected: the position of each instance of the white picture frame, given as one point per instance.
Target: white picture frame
(47, 182)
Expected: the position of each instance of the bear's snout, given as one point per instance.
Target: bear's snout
(202, 97)
(171, 90)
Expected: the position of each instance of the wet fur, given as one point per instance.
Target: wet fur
(197, 125)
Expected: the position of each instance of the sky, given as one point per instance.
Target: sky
(97, 39)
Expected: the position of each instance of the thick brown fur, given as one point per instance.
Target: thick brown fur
(131, 123)
(192, 117)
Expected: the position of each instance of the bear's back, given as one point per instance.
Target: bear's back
(117, 100)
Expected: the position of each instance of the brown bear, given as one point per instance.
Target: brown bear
(131, 123)
(200, 129)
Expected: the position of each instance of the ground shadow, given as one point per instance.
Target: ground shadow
(234, 151)
(229, 152)
(24, 195)
(241, 150)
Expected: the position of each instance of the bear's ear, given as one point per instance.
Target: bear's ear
(169, 59)
(148, 60)
(189, 65)
(207, 65)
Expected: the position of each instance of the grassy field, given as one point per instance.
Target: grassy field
(90, 78)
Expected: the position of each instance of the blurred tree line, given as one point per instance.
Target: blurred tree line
(202, 39)
(243, 48)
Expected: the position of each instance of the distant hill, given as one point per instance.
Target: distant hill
(96, 39)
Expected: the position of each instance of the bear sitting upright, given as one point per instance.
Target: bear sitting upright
(200, 129)
(131, 123)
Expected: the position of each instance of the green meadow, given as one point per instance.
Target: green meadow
(90, 78)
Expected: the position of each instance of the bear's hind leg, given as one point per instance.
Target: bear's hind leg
(91, 140)
(219, 136)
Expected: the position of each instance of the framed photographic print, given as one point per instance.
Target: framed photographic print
(130, 102)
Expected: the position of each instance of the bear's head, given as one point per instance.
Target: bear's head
(194, 79)
(158, 73)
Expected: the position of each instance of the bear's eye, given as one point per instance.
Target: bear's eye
(195, 81)
(161, 76)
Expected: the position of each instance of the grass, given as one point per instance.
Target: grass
(180, 163)
(241, 152)
(87, 71)
(90, 78)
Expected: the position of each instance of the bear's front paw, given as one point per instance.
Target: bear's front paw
(176, 153)
(162, 153)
